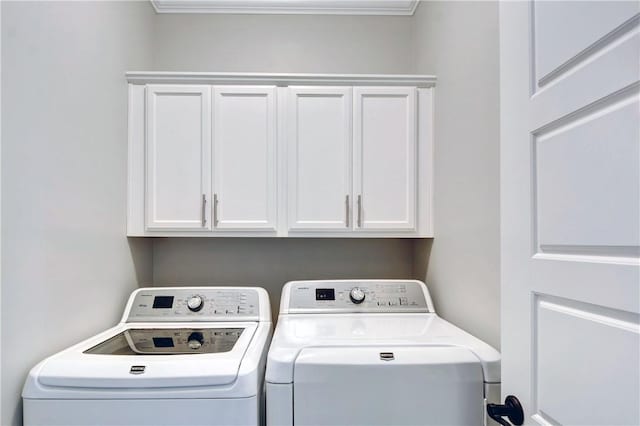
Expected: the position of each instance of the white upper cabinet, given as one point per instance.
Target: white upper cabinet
(298, 155)
(385, 158)
(178, 157)
(244, 158)
(319, 158)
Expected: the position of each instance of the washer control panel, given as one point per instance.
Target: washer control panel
(357, 296)
(193, 304)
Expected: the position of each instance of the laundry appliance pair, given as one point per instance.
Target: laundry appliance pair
(344, 352)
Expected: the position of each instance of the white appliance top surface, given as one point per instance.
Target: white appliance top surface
(148, 353)
(75, 367)
(383, 330)
(295, 333)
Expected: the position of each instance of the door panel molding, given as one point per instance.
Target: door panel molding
(600, 171)
(596, 41)
(572, 326)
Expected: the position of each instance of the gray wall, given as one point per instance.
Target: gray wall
(67, 266)
(281, 43)
(64, 162)
(458, 41)
(271, 262)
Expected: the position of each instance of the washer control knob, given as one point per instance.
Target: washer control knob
(196, 340)
(195, 303)
(357, 295)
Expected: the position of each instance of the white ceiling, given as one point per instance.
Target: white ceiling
(318, 7)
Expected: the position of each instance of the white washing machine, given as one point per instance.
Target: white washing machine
(180, 356)
(374, 352)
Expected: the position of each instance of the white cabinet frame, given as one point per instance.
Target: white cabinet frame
(281, 220)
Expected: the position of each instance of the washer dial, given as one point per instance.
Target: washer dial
(195, 303)
(357, 295)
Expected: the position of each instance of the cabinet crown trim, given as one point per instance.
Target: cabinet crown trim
(276, 79)
(307, 7)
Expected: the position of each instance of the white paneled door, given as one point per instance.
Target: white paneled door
(384, 132)
(570, 173)
(178, 162)
(244, 158)
(319, 163)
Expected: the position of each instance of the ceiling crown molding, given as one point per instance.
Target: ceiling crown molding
(289, 7)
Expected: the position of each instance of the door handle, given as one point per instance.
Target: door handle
(215, 210)
(203, 212)
(511, 409)
(359, 211)
(346, 204)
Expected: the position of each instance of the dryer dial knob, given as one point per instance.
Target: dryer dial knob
(196, 340)
(195, 303)
(357, 295)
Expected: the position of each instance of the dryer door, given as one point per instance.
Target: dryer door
(388, 386)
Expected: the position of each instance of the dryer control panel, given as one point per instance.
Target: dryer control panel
(195, 304)
(338, 296)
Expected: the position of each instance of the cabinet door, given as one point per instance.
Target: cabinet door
(178, 157)
(319, 158)
(385, 158)
(244, 157)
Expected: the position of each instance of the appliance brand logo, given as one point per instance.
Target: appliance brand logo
(387, 356)
(137, 369)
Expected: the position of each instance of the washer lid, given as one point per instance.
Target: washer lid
(169, 341)
(91, 366)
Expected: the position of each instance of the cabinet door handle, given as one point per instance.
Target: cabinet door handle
(215, 210)
(359, 211)
(202, 213)
(346, 206)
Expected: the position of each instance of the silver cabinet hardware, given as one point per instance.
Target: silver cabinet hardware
(215, 210)
(203, 217)
(359, 211)
(346, 204)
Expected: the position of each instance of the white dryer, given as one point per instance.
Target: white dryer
(374, 352)
(180, 356)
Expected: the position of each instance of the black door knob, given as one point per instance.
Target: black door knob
(511, 409)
